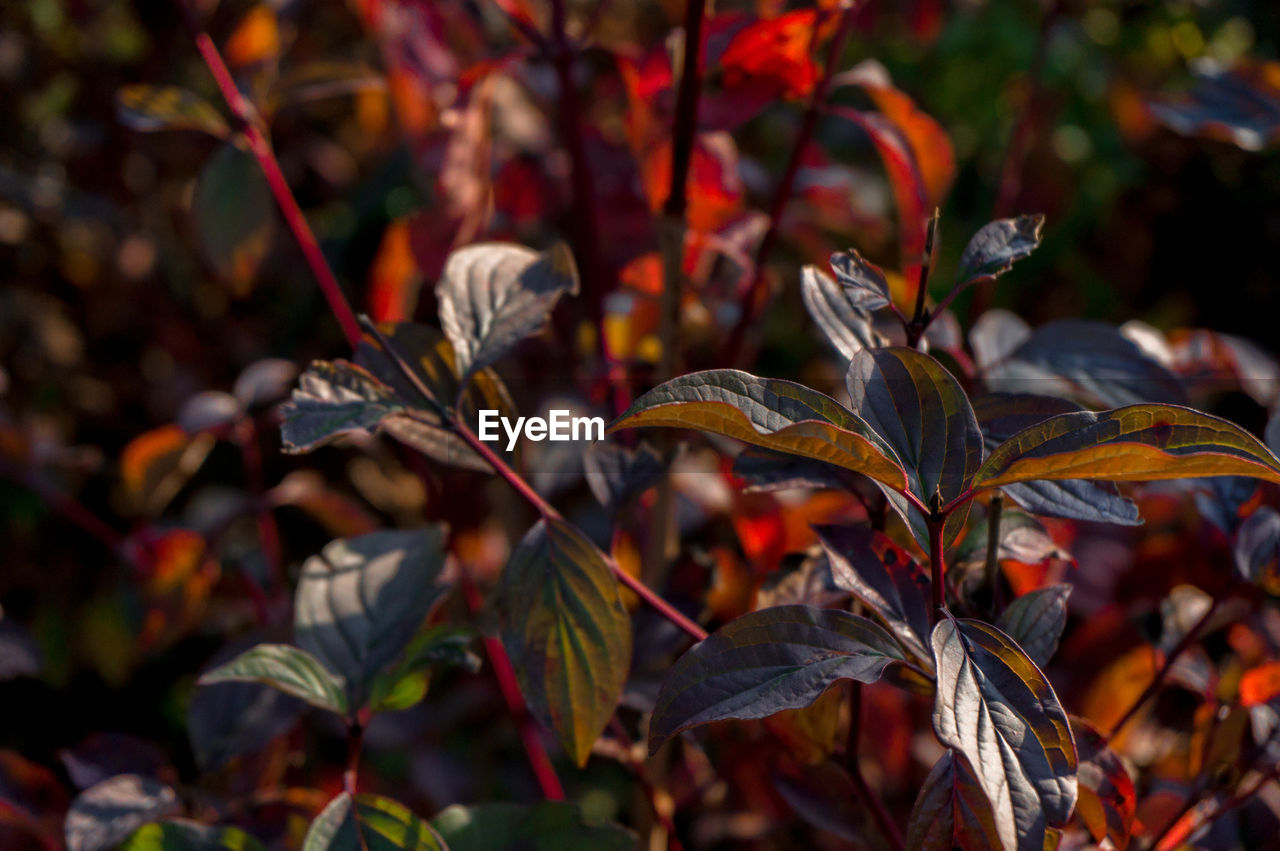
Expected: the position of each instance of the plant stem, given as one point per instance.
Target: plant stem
(920, 316)
(355, 741)
(250, 125)
(879, 811)
(994, 509)
(937, 522)
(808, 124)
(1184, 644)
(584, 218)
(641, 771)
(246, 437)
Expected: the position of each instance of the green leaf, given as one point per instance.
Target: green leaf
(840, 312)
(235, 216)
(1132, 444)
(176, 835)
(995, 707)
(1108, 801)
(951, 810)
(361, 600)
(996, 247)
(865, 285)
(106, 813)
(493, 295)
(869, 565)
(567, 631)
(769, 413)
(292, 671)
(766, 661)
(547, 826)
(1036, 620)
(370, 823)
(334, 398)
(151, 108)
(407, 681)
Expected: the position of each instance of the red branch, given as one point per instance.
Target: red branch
(251, 126)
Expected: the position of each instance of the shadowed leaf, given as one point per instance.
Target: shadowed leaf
(547, 826)
(361, 599)
(370, 823)
(334, 398)
(190, 836)
(996, 247)
(1240, 105)
(151, 108)
(281, 666)
(995, 707)
(769, 413)
(864, 284)
(617, 473)
(1132, 444)
(235, 216)
(765, 470)
(232, 718)
(767, 661)
(951, 810)
(869, 565)
(493, 295)
(1036, 620)
(567, 631)
(841, 312)
(104, 814)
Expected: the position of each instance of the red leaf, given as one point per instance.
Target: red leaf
(774, 54)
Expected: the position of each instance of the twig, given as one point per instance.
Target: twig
(251, 126)
(851, 753)
(1183, 645)
(937, 523)
(920, 317)
(246, 437)
(641, 771)
(808, 124)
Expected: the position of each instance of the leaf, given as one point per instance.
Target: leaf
(1240, 105)
(1107, 803)
(19, 652)
(864, 284)
(996, 336)
(616, 473)
(334, 398)
(1035, 621)
(764, 662)
(370, 823)
(406, 682)
(361, 599)
(151, 108)
(233, 718)
(234, 216)
(996, 246)
(546, 826)
(493, 295)
(841, 312)
(281, 666)
(1132, 444)
(567, 631)
(1257, 548)
(995, 707)
(1088, 360)
(951, 810)
(772, 56)
(869, 565)
(1001, 415)
(105, 814)
(177, 835)
(769, 413)
(764, 470)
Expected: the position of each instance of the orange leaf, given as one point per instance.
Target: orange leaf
(394, 281)
(255, 39)
(1261, 684)
(775, 54)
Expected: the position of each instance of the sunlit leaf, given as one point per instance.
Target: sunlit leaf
(869, 565)
(766, 661)
(256, 38)
(235, 216)
(1136, 443)
(865, 285)
(952, 810)
(370, 823)
(1240, 105)
(157, 464)
(773, 56)
(1002, 415)
(406, 682)
(995, 707)
(769, 413)
(840, 311)
(361, 600)
(996, 247)
(493, 295)
(151, 108)
(281, 666)
(1107, 802)
(547, 826)
(334, 398)
(567, 631)
(175, 835)
(1036, 620)
(105, 814)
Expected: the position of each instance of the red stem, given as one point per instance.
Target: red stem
(250, 125)
(246, 436)
(505, 674)
(686, 122)
(937, 525)
(808, 125)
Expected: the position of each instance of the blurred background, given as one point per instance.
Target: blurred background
(143, 263)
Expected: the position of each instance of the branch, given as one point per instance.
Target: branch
(879, 811)
(251, 126)
(808, 125)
